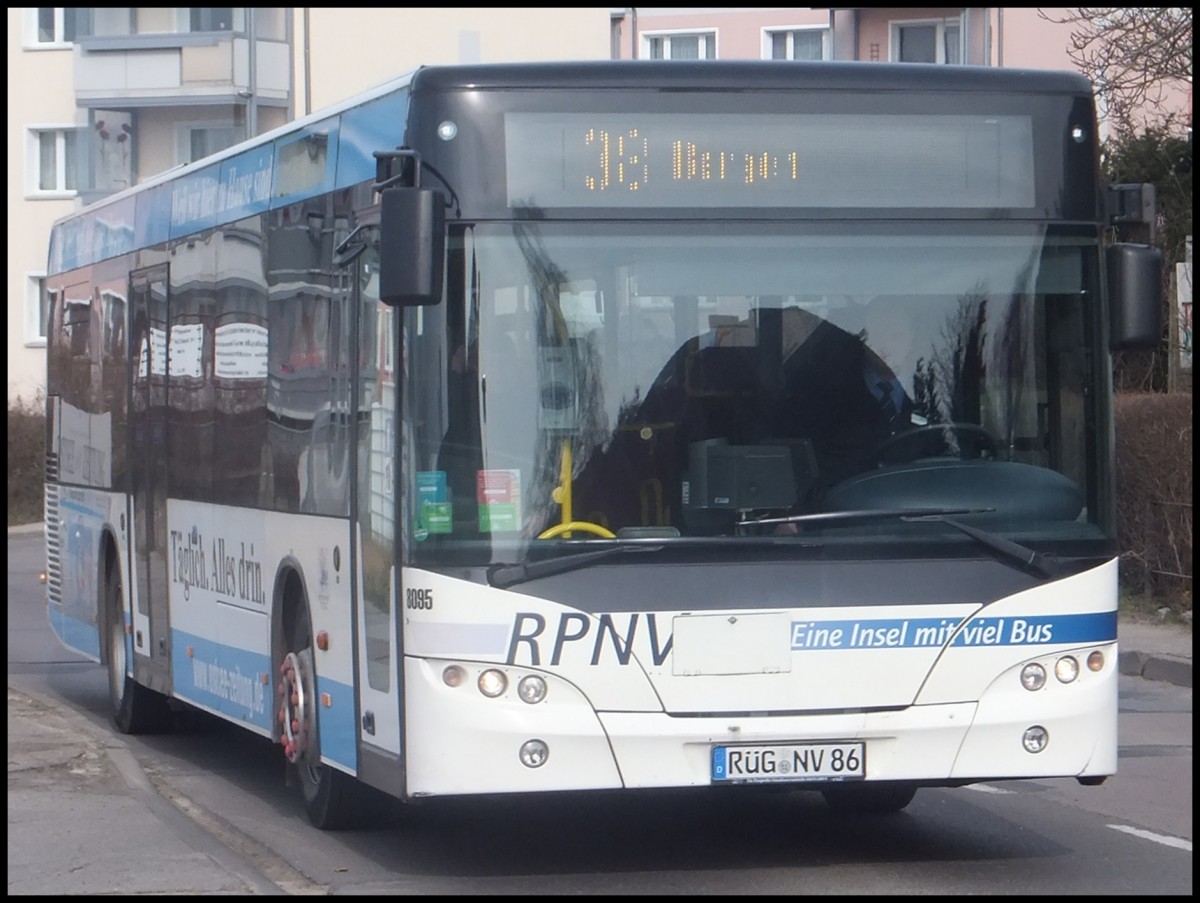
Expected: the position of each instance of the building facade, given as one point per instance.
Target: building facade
(978, 36)
(102, 98)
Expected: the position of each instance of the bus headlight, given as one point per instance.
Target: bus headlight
(1033, 676)
(492, 683)
(531, 689)
(1095, 661)
(1035, 739)
(1066, 669)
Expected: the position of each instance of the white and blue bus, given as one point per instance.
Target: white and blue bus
(555, 427)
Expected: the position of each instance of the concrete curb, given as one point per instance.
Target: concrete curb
(1167, 668)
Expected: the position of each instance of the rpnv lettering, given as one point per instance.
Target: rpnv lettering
(533, 639)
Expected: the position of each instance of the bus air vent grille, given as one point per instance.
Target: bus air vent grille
(53, 550)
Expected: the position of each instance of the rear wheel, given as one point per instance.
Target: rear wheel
(869, 799)
(134, 709)
(328, 793)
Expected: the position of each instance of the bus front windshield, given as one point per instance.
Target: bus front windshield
(726, 380)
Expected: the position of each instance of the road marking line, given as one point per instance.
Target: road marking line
(984, 788)
(1166, 840)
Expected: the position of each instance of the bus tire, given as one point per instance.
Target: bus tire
(327, 792)
(869, 799)
(133, 708)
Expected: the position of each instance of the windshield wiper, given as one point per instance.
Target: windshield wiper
(503, 576)
(506, 575)
(1040, 563)
(836, 517)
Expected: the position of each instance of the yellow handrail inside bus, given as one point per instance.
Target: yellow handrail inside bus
(562, 496)
(564, 529)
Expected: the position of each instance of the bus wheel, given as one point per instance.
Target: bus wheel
(326, 790)
(869, 799)
(134, 709)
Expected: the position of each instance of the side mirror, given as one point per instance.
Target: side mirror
(412, 246)
(1134, 296)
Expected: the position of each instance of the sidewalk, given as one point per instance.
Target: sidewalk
(84, 818)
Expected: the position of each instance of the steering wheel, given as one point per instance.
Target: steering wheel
(582, 526)
(933, 440)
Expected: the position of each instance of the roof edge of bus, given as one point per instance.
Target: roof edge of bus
(680, 74)
(295, 125)
(847, 74)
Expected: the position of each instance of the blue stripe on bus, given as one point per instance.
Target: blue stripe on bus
(82, 636)
(246, 184)
(230, 680)
(152, 224)
(244, 187)
(920, 633)
(80, 508)
(194, 201)
(338, 727)
(377, 125)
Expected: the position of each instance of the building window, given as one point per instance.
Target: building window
(796, 43)
(209, 141)
(56, 26)
(55, 161)
(37, 310)
(692, 46)
(210, 18)
(198, 140)
(927, 42)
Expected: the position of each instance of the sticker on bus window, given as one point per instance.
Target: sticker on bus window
(433, 504)
(499, 495)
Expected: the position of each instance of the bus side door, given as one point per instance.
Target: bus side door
(148, 474)
(378, 661)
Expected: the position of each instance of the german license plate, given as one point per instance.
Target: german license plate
(789, 762)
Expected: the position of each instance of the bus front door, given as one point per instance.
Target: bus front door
(378, 645)
(148, 485)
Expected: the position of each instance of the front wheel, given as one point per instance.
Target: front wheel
(133, 708)
(869, 799)
(327, 792)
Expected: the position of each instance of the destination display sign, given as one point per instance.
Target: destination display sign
(557, 160)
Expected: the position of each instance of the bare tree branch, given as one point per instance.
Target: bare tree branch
(1134, 57)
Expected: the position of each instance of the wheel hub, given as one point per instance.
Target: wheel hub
(294, 701)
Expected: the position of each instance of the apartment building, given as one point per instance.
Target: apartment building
(976, 36)
(100, 99)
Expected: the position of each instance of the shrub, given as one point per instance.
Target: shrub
(1154, 495)
(26, 460)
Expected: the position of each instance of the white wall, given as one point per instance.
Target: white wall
(40, 92)
(354, 49)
